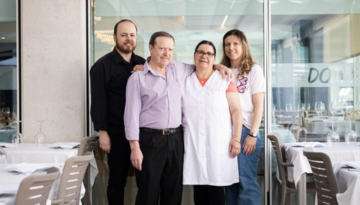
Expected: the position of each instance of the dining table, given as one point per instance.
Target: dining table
(10, 181)
(337, 152)
(45, 153)
(347, 175)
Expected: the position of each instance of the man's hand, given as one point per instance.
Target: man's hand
(249, 145)
(137, 68)
(225, 71)
(136, 157)
(234, 147)
(105, 143)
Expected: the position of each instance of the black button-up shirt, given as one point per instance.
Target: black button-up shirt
(109, 76)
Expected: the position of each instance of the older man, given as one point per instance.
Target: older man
(109, 76)
(153, 123)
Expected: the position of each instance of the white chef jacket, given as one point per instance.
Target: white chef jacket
(207, 133)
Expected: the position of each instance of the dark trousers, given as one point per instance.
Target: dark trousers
(209, 195)
(162, 169)
(119, 162)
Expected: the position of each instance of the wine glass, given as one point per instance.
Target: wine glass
(306, 107)
(322, 108)
(16, 138)
(318, 108)
(3, 156)
(333, 108)
(288, 107)
(332, 137)
(40, 137)
(350, 136)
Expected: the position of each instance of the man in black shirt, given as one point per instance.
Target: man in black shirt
(109, 76)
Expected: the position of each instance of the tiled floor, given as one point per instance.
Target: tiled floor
(99, 190)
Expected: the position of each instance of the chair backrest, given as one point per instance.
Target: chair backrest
(87, 144)
(72, 178)
(325, 182)
(277, 144)
(312, 113)
(35, 189)
(352, 114)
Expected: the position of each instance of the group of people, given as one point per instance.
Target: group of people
(179, 124)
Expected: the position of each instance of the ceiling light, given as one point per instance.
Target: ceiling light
(202, 1)
(223, 23)
(299, 1)
(170, 1)
(235, 1)
(2, 37)
(272, 1)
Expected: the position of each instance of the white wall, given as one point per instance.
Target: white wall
(53, 51)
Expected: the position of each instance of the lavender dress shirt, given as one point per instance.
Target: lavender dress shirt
(153, 101)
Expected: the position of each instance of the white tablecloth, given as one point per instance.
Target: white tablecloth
(349, 187)
(337, 153)
(340, 126)
(33, 153)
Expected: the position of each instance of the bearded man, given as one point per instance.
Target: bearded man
(109, 76)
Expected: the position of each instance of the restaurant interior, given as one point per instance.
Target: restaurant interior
(309, 51)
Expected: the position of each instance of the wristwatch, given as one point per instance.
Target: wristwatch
(254, 134)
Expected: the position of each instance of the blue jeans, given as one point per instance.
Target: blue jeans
(247, 191)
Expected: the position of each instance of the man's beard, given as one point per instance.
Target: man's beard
(125, 49)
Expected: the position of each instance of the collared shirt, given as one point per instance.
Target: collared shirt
(109, 76)
(153, 101)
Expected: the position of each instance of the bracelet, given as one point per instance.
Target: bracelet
(236, 140)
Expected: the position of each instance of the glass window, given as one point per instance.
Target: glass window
(189, 22)
(315, 51)
(8, 70)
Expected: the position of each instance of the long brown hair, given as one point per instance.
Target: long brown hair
(245, 61)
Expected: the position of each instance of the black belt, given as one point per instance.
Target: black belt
(168, 131)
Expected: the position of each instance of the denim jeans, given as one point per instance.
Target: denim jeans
(247, 191)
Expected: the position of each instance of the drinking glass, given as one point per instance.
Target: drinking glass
(333, 108)
(332, 137)
(306, 107)
(318, 108)
(288, 107)
(3, 156)
(322, 108)
(16, 138)
(40, 137)
(350, 137)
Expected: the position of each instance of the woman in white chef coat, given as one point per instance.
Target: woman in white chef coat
(211, 107)
(250, 84)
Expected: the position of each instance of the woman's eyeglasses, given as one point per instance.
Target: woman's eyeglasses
(207, 54)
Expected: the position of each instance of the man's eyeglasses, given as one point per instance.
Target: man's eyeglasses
(207, 54)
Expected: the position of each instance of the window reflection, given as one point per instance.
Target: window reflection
(8, 70)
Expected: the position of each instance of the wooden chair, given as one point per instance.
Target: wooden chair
(35, 189)
(312, 113)
(287, 186)
(325, 182)
(71, 180)
(87, 145)
(352, 114)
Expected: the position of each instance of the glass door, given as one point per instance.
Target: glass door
(189, 21)
(315, 70)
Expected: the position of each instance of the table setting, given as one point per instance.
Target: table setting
(11, 176)
(339, 152)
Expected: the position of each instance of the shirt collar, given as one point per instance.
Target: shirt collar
(148, 69)
(118, 58)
